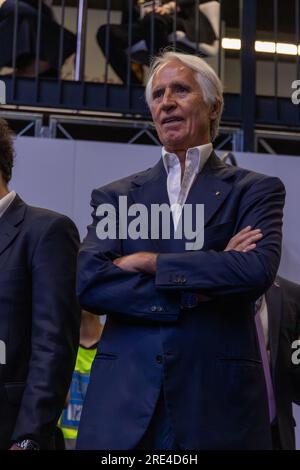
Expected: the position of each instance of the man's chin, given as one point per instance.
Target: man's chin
(173, 141)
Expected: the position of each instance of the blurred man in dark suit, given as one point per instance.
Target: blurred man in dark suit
(278, 331)
(280, 317)
(39, 315)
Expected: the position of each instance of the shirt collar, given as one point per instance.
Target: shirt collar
(6, 201)
(197, 156)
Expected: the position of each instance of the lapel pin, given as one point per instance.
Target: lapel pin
(218, 193)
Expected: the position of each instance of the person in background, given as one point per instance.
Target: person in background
(90, 333)
(27, 39)
(115, 49)
(154, 26)
(278, 312)
(277, 321)
(39, 313)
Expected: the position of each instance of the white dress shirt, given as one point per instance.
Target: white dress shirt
(178, 189)
(263, 313)
(6, 201)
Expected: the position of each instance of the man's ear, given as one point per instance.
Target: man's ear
(215, 110)
(3, 185)
(3, 188)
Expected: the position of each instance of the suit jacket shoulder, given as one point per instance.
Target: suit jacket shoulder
(246, 177)
(42, 219)
(291, 289)
(123, 185)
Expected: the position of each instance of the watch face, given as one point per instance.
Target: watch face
(28, 444)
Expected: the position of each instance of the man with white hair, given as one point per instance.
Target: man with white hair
(179, 366)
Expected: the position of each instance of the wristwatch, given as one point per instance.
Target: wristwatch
(27, 444)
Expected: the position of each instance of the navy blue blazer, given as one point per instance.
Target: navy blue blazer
(204, 354)
(39, 320)
(283, 302)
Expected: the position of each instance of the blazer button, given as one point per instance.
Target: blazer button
(183, 280)
(159, 359)
(159, 309)
(153, 308)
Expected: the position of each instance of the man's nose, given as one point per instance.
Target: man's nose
(168, 99)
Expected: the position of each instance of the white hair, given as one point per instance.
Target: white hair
(209, 82)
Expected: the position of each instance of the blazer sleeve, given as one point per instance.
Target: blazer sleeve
(55, 331)
(234, 273)
(104, 288)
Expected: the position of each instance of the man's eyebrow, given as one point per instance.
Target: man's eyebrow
(171, 85)
(183, 84)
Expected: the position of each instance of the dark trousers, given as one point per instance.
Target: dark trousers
(26, 44)
(160, 434)
(276, 442)
(153, 28)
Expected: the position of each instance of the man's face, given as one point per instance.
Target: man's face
(181, 117)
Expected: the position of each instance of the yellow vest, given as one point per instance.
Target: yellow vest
(70, 417)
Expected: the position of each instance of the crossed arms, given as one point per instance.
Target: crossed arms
(131, 285)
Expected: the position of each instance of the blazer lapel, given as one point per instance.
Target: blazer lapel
(149, 189)
(209, 188)
(274, 305)
(10, 223)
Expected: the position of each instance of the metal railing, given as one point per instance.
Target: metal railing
(42, 90)
(244, 109)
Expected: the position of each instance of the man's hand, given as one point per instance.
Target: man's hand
(15, 447)
(166, 9)
(245, 240)
(138, 262)
(145, 261)
(147, 10)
